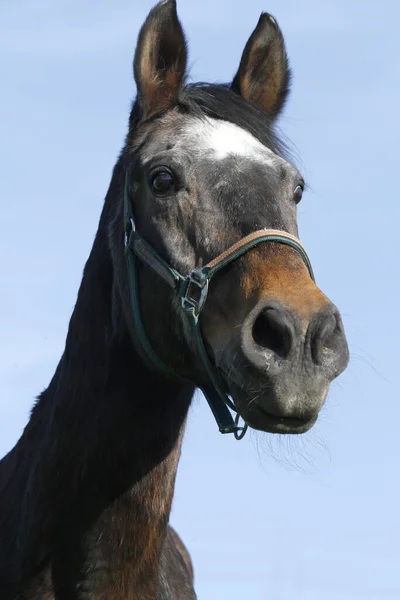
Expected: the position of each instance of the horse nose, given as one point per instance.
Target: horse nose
(274, 330)
(327, 339)
(273, 335)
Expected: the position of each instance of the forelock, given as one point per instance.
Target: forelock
(217, 102)
(220, 102)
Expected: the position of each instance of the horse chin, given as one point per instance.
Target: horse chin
(259, 411)
(258, 418)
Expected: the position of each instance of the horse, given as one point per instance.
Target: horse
(196, 279)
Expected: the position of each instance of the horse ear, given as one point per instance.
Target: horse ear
(160, 59)
(263, 77)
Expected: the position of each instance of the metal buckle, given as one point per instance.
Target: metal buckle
(195, 294)
(127, 233)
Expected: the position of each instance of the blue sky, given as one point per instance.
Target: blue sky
(314, 517)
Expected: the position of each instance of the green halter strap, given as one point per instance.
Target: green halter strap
(192, 292)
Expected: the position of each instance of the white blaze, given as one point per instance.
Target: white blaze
(220, 139)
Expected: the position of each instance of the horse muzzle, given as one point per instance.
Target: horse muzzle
(279, 367)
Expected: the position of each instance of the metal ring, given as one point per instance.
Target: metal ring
(240, 432)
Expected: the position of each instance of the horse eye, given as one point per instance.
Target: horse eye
(298, 194)
(162, 183)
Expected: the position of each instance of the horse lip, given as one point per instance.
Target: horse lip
(257, 417)
(292, 422)
(261, 419)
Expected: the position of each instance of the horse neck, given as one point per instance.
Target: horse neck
(93, 474)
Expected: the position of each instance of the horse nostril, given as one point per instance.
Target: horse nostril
(326, 335)
(273, 329)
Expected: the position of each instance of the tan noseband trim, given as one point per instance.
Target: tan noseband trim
(250, 238)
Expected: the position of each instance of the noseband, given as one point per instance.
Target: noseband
(191, 291)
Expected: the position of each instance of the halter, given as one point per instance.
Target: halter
(191, 291)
